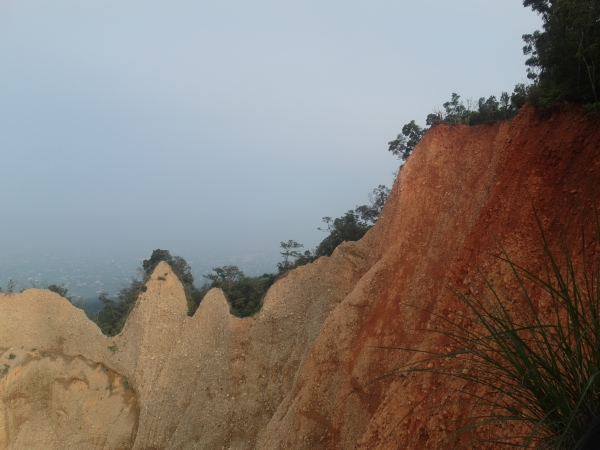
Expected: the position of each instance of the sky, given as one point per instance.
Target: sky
(222, 127)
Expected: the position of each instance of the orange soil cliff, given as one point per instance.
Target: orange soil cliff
(462, 187)
(281, 380)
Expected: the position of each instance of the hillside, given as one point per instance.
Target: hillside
(281, 379)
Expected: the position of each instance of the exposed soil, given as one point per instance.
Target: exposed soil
(304, 373)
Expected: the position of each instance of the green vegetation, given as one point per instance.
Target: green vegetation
(455, 111)
(12, 356)
(289, 252)
(348, 227)
(563, 58)
(484, 110)
(181, 268)
(113, 315)
(562, 64)
(63, 292)
(406, 142)
(352, 226)
(60, 290)
(245, 294)
(111, 319)
(10, 288)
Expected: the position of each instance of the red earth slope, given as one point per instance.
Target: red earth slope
(462, 187)
(301, 373)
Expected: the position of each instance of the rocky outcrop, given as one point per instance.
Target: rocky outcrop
(299, 375)
(55, 393)
(207, 381)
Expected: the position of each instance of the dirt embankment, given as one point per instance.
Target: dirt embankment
(281, 380)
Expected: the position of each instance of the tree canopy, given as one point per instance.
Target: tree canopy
(245, 294)
(455, 111)
(289, 251)
(406, 142)
(113, 315)
(62, 290)
(111, 318)
(563, 58)
(369, 214)
(351, 226)
(348, 227)
(179, 265)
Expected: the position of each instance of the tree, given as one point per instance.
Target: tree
(289, 251)
(182, 269)
(225, 278)
(519, 96)
(245, 294)
(456, 112)
(505, 105)
(293, 258)
(10, 288)
(370, 213)
(489, 109)
(435, 117)
(349, 227)
(63, 292)
(60, 290)
(484, 110)
(405, 143)
(179, 265)
(564, 57)
(352, 226)
(112, 317)
(109, 316)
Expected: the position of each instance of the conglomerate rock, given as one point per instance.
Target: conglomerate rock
(299, 375)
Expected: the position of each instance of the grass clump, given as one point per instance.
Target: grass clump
(533, 348)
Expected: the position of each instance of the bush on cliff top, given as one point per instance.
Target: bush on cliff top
(244, 294)
(563, 65)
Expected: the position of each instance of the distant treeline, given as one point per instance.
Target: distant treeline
(245, 294)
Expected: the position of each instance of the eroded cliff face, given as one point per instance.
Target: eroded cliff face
(281, 380)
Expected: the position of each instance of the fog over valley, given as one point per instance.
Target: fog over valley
(86, 275)
(217, 130)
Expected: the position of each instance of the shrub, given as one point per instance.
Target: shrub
(245, 294)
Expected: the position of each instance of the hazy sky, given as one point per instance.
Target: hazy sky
(223, 125)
